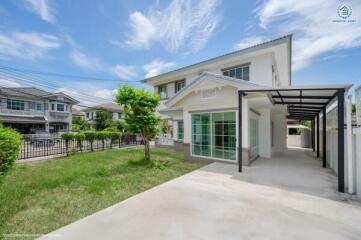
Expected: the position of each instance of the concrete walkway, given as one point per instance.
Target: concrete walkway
(286, 197)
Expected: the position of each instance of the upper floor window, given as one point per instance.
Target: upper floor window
(162, 90)
(39, 107)
(241, 72)
(60, 107)
(87, 115)
(178, 85)
(119, 115)
(15, 104)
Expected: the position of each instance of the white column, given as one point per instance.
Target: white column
(187, 125)
(245, 123)
(175, 130)
(350, 157)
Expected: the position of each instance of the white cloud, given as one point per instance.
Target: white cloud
(105, 93)
(124, 71)
(9, 83)
(42, 8)
(27, 45)
(84, 61)
(156, 67)
(248, 42)
(182, 23)
(315, 31)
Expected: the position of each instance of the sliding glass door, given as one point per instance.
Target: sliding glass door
(214, 135)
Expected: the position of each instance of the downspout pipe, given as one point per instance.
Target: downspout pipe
(350, 157)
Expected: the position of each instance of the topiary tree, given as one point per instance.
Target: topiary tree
(80, 124)
(79, 140)
(139, 107)
(10, 143)
(90, 136)
(114, 137)
(102, 135)
(103, 119)
(68, 137)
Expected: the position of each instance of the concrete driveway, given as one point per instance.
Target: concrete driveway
(286, 197)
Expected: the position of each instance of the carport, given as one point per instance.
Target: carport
(305, 103)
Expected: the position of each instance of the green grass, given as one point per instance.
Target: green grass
(38, 197)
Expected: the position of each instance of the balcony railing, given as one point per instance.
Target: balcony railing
(21, 112)
(59, 115)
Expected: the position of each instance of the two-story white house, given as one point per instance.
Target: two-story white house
(202, 101)
(32, 110)
(234, 108)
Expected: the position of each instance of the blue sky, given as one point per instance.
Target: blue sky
(129, 40)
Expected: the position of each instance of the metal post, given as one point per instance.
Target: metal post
(240, 95)
(324, 137)
(318, 136)
(313, 134)
(341, 147)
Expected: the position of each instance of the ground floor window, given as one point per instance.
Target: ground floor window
(214, 135)
(180, 130)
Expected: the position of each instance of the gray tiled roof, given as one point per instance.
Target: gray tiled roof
(24, 92)
(110, 106)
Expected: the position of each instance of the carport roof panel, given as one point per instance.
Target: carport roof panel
(312, 88)
(303, 102)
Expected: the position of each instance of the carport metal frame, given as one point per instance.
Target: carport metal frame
(300, 110)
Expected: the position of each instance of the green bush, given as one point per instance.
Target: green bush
(10, 143)
(67, 137)
(79, 140)
(90, 136)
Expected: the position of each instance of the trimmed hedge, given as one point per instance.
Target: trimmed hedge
(10, 143)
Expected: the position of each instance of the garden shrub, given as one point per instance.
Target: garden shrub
(10, 143)
(67, 137)
(79, 140)
(90, 136)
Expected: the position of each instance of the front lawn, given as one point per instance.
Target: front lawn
(39, 197)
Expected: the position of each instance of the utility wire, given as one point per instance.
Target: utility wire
(46, 88)
(78, 94)
(15, 90)
(65, 75)
(28, 78)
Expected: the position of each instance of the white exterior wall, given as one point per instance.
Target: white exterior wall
(357, 157)
(279, 132)
(260, 71)
(265, 148)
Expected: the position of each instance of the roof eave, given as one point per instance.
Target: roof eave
(285, 39)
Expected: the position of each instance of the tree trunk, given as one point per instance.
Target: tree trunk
(146, 150)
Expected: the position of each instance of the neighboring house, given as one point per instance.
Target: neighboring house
(234, 108)
(77, 113)
(115, 109)
(32, 110)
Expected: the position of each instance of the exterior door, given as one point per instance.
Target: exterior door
(253, 130)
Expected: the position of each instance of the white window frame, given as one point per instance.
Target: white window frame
(166, 91)
(181, 82)
(54, 107)
(235, 70)
(13, 102)
(39, 104)
(210, 157)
